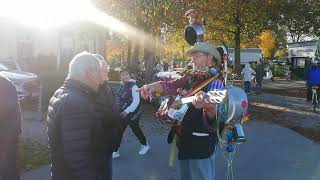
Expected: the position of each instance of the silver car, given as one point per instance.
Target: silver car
(27, 84)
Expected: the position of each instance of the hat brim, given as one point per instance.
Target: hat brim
(200, 49)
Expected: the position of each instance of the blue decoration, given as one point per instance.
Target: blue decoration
(229, 148)
(213, 71)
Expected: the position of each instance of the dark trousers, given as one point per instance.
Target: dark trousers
(109, 169)
(258, 87)
(247, 86)
(8, 159)
(134, 125)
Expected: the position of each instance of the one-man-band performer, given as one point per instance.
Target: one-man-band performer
(196, 139)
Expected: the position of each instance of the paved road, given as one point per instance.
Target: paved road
(271, 152)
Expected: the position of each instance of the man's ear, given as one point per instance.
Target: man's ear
(210, 61)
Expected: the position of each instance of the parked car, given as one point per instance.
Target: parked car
(27, 84)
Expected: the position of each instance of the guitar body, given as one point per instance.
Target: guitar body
(173, 109)
(169, 114)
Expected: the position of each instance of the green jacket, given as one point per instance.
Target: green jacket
(260, 72)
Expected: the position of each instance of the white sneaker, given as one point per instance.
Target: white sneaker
(115, 154)
(144, 149)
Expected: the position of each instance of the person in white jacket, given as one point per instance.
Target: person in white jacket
(247, 73)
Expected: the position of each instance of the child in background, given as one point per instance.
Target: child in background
(129, 98)
(247, 76)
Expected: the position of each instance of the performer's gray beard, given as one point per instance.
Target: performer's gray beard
(198, 68)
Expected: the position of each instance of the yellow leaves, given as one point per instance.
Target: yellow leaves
(174, 45)
(252, 43)
(280, 53)
(267, 42)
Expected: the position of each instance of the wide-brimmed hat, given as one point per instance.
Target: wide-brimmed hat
(206, 48)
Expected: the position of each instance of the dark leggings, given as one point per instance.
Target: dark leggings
(134, 125)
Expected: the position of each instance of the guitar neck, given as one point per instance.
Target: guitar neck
(216, 96)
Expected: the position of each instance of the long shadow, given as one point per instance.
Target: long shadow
(293, 92)
(294, 122)
(289, 102)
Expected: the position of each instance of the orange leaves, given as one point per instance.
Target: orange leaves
(267, 42)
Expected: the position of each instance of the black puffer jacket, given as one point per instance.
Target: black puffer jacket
(76, 134)
(109, 111)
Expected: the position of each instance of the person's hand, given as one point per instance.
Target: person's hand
(123, 114)
(147, 90)
(199, 101)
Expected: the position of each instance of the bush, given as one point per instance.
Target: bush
(277, 70)
(31, 155)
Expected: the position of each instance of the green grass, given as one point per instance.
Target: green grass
(31, 155)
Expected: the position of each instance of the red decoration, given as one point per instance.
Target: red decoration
(244, 104)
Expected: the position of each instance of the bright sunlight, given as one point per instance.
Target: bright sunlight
(45, 14)
(50, 14)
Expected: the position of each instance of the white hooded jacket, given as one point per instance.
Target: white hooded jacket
(247, 73)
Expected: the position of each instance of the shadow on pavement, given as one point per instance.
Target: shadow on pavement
(306, 125)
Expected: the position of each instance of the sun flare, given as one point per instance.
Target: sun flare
(45, 13)
(51, 14)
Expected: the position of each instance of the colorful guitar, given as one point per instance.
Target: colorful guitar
(175, 109)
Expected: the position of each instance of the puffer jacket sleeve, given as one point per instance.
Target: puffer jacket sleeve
(76, 139)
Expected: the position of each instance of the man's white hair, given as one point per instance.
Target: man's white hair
(99, 57)
(83, 63)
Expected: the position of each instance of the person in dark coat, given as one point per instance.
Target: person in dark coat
(109, 112)
(260, 73)
(75, 130)
(10, 129)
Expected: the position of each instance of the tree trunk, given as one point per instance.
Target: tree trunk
(237, 51)
(237, 39)
(129, 55)
(149, 62)
(135, 58)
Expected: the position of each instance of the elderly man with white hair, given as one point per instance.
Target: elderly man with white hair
(75, 131)
(109, 112)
